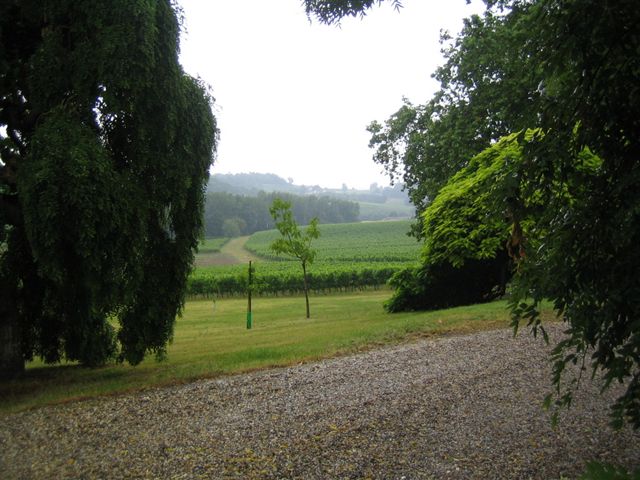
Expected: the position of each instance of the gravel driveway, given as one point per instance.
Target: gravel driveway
(452, 407)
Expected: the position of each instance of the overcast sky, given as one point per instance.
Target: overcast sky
(294, 98)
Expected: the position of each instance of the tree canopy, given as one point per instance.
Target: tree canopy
(465, 256)
(105, 146)
(570, 70)
(582, 246)
(332, 11)
(486, 87)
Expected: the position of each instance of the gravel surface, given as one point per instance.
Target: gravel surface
(453, 407)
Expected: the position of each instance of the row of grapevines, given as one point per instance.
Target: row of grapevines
(280, 278)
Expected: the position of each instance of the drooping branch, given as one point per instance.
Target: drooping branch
(331, 12)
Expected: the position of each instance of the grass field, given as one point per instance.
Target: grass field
(213, 340)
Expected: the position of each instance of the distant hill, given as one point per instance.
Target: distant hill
(377, 203)
(251, 184)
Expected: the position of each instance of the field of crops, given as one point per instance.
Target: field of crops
(350, 257)
(352, 242)
(285, 278)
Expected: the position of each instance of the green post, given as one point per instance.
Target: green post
(249, 285)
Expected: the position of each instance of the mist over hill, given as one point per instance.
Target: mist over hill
(251, 184)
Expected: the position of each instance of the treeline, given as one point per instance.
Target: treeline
(229, 215)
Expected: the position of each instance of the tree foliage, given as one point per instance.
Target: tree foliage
(571, 70)
(332, 11)
(486, 87)
(294, 242)
(105, 148)
(465, 257)
(584, 248)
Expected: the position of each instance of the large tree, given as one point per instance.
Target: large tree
(486, 86)
(584, 248)
(105, 149)
(581, 249)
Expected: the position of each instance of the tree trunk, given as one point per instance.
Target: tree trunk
(306, 287)
(11, 361)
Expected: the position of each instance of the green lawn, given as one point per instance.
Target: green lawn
(211, 341)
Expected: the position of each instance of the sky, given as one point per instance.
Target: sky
(294, 97)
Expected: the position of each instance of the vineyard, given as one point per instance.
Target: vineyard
(350, 257)
(351, 242)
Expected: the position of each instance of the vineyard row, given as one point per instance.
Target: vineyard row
(231, 284)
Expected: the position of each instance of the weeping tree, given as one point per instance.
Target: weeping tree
(105, 147)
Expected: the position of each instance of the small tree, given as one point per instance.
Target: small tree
(294, 242)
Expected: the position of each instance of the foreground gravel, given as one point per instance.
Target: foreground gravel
(453, 407)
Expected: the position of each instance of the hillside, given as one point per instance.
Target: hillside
(351, 242)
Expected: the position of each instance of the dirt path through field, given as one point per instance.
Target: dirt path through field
(235, 248)
(231, 253)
